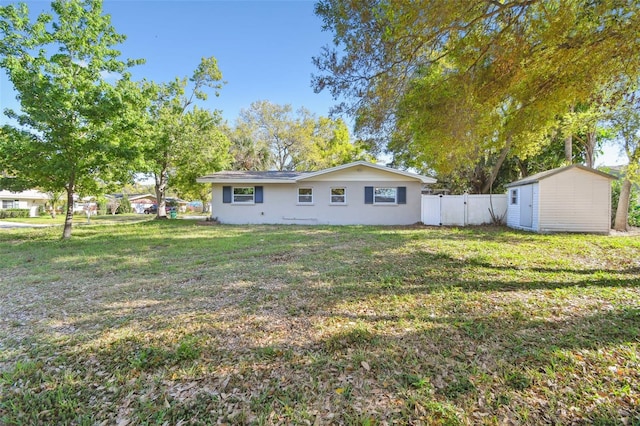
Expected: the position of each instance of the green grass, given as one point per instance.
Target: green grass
(168, 321)
(80, 219)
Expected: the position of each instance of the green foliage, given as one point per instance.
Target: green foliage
(102, 204)
(181, 140)
(271, 136)
(74, 125)
(125, 205)
(447, 85)
(11, 213)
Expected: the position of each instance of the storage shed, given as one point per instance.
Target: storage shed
(567, 199)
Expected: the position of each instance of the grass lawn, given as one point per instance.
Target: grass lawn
(79, 219)
(171, 322)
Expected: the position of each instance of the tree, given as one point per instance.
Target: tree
(175, 127)
(625, 119)
(448, 82)
(330, 146)
(273, 136)
(73, 130)
(249, 154)
(203, 148)
(287, 135)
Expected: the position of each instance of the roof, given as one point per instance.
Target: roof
(250, 176)
(130, 197)
(30, 194)
(548, 173)
(293, 177)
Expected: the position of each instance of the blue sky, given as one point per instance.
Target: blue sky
(264, 49)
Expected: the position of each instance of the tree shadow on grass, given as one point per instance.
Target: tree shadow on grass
(449, 368)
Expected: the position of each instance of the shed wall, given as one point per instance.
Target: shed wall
(575, 201)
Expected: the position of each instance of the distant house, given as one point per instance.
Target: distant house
(32, 200)
(567, 199)
(354, 193)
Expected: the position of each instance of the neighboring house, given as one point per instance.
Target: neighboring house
(354, 193)
(30, 199)
(139, 202)
(567, 199)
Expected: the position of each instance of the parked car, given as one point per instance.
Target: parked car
(151, 210)
(154, 209)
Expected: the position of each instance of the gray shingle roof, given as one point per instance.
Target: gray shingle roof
(264, 175)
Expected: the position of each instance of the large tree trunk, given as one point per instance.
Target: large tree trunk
(622, 211)
(568, 145)
(496, 168)
(568, 149)
(161, 188)
(590, 148)
(68, 220)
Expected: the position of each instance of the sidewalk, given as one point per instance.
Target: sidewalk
(7, 224)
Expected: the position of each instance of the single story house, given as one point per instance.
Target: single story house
(567, 199)
(31, 199)
(358, 193)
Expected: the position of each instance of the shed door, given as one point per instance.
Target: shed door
(526, 206)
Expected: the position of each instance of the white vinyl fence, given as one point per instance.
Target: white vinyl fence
(462, 210)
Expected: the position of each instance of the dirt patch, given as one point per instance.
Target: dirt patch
(632, 232)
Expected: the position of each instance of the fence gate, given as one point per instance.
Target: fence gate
(462, 210)
(431, 209)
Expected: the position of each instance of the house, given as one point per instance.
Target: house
(31, 199)
(356, 193)
(567, 199)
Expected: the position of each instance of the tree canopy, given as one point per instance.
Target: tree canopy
(73, 130)
(444, 83)
(272, 136)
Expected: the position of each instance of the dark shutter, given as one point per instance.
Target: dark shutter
(402, 195)
(258, 194)
(226, 194)
(368, 194)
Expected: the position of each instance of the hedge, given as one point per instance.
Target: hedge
(9, 213)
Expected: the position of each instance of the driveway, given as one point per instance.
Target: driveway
(5, 224)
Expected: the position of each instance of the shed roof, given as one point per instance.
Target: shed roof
(548, 173)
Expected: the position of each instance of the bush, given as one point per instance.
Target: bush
(125, 205)
(11, 213)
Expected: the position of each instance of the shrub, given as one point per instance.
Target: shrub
(11, 213)
(125, 205)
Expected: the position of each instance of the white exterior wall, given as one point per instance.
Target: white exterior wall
(575, 201)
(280, 204)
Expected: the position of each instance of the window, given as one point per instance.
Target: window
(384, 195)
(513, 197)
(10, 204)
(305, 195)
(338, 195)
(243, 194)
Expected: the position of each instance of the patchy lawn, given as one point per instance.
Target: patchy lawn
(169, 322)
